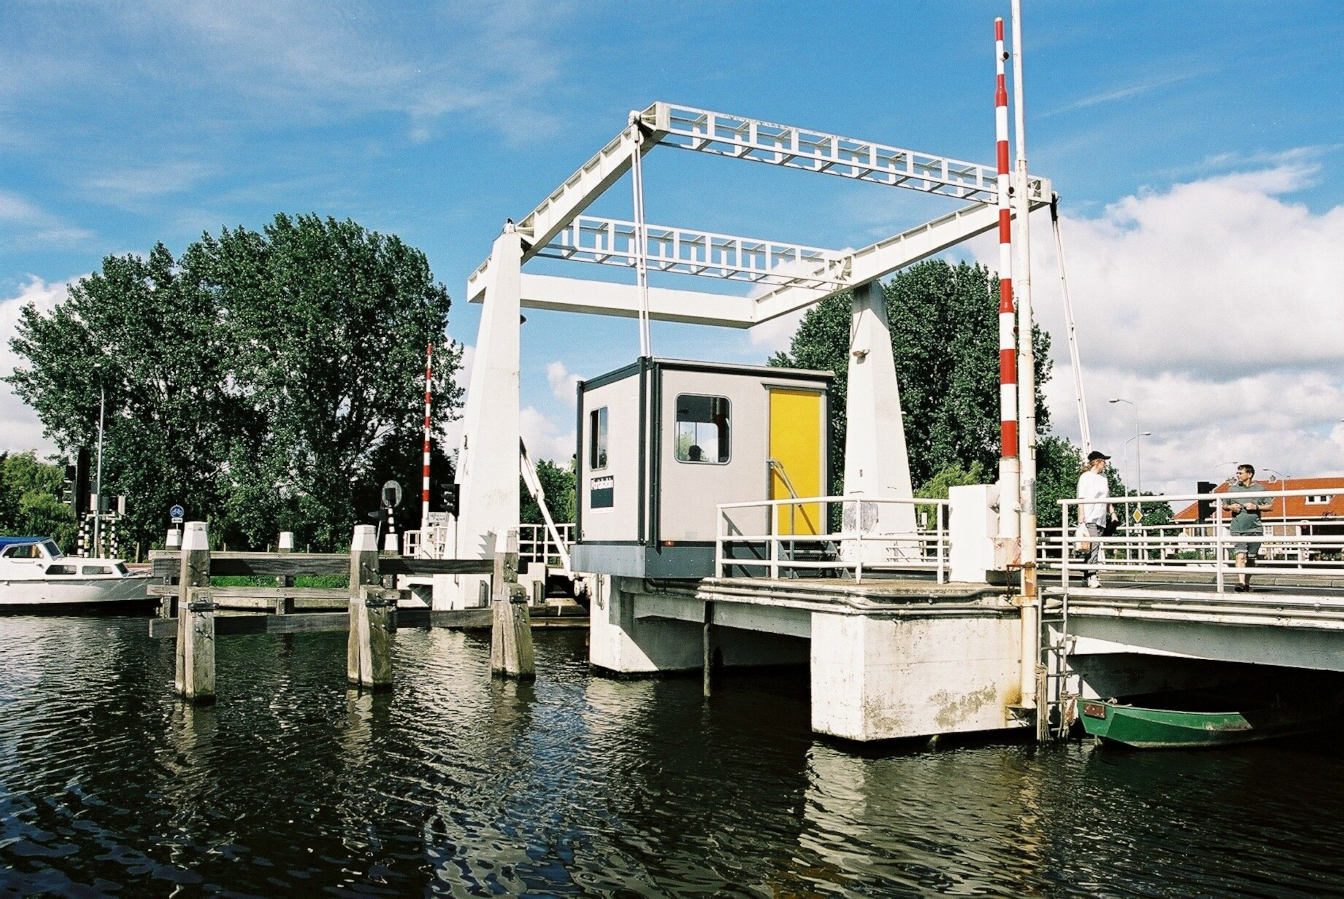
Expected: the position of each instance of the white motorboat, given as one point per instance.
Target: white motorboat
(35, 576)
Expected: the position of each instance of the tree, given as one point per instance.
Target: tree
(29, 500)
(945, 337)
(1058, 465)
(266, 380)
(137, 336)
(557, 482)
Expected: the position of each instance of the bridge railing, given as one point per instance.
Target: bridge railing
(1310, 549)
(774, 538)
(535, 543)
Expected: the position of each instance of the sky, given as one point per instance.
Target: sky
(1196, 147)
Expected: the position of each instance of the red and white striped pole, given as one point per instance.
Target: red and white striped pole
(1009, 467)
(424, 478)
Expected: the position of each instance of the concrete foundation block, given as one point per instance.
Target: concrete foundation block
(889, 678)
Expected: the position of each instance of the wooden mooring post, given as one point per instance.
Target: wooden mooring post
(284, 602)
(372, 616)
(194, 675)
(511, 631)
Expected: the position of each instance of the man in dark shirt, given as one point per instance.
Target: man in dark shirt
(1249, 501)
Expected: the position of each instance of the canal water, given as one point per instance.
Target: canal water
(579, 785)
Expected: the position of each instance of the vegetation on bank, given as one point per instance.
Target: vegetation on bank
(266, 380)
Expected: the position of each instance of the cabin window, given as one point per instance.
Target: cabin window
(703, 429)
(1319, 499)
(597, 439)
(60, 569)
(22, 551)
(95, 569)
(52, 549)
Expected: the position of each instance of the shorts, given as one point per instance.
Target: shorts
(1247, 546)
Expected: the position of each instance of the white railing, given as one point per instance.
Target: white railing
(1288, 546)
(535, 543)
(746, 543)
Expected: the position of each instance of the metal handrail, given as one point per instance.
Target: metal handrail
(932, 545)
(1200, 546)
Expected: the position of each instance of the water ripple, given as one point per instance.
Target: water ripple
(460, 784)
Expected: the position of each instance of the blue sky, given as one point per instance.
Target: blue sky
(1196, 146)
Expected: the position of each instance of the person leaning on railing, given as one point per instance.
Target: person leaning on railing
(1094, 512)
(1246, 522)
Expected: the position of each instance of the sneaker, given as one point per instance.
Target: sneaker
(1094, 582)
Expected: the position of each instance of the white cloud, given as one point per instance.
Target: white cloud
(132, 184)
(1215, 308)
(563, 383)
(544, 438)
(19, 428)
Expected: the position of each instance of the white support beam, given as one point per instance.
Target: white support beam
(738, 137)
(690, 252)
(882, 258)
(487, 457)
(622, 300)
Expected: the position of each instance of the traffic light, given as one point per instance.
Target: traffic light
(451, 496)
(81, 483)
(68, 486)
(1204, 507)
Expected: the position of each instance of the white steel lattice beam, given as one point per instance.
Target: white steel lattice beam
(683, 251)
(738, 137)
(623, 300)
(574, 195)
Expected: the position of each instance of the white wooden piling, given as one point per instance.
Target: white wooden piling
(363, 573)
(284, 601)
(511, 631)
(377, 627)
(195, 572)
(198, 657)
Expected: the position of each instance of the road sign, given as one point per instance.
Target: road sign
(391, 495)
(1138, 516)
(177, 513)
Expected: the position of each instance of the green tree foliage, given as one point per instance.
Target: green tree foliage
(1058, 465)
(557, 482)
(29, 500)
(945, 337)
(266, 380)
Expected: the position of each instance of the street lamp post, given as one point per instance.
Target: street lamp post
(1138, 466)
(1283, 498)
(98, 473)
(1136, 440)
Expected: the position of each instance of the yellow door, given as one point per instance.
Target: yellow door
(795, 447)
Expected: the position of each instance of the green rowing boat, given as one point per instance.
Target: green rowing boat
(1142, 728)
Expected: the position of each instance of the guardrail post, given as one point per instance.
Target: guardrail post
(511, 631)
(194, 572)
(363, 573)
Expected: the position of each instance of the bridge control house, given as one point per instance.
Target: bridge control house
(662, 442)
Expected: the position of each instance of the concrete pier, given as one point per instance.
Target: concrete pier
(888, 659)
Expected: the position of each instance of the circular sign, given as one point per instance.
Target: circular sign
(391, 495)
(177, 513)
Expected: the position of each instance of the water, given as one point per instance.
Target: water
(577, 785)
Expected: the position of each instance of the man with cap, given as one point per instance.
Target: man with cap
(1094, 511)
